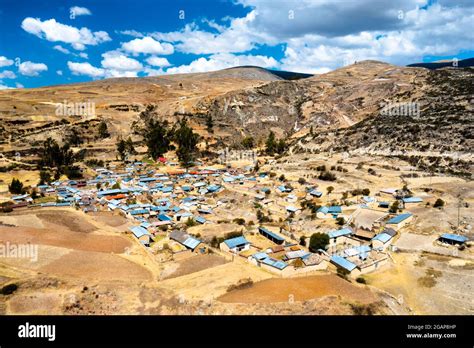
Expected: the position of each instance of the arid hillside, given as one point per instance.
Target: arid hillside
(343, 104)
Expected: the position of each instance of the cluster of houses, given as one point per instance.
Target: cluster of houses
(158, 203)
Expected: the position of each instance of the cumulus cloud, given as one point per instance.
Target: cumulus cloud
(57, 32)
(85, 69)
(222, 61)
(79, 11)
(114, 64)
(32, 69)
(7, 74)
(158, 61)
(116, 60)
(147, 45)
(237, 37)
(4, 61)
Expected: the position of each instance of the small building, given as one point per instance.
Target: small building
(453, 239)
(400, 221)
(339, 236)
(185, 239)
(141, 234)
(384, 239)
(412, 200)
(235, 245)
(275, 238)
(328, 212)
(342, 263)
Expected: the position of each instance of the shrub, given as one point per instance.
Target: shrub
(8, 289)
(318, 241)
(361, 280)
(439, 203)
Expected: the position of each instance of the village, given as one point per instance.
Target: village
(286, 227)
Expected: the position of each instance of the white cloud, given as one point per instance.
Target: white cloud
(85, 69)
(32, 69)
(147, 45)
(237, 37)
(153, 72)
(158, 61)
(61, 49)
(7, 74)
(19, 85)
(115, 60)
(4, 61)
(56, 32)
(4, 86)
(59, 72)
(222, 61)
(79, 11)
(83, 55)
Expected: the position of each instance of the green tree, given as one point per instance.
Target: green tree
(187, 142)
(16, 186)
(157, 138)
(248, 142)
(103, 130)
(280, 146)
(45, 177)
(318, 241)
(394, 207)
(271, 144)
(330, 189)
(439, 203)
(121, 148)
(210, 124)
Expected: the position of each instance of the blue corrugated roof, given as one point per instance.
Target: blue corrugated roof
(454, 237)
(275, 263)
(164, 217)
(191, 243)
(260, 256)
(138, 231)
(412, 200)
(382, 237)
(138, 212)
(342, 262)
(200, 219)
(341, 232)
(399, 218)
(233, 242)
(270, 233)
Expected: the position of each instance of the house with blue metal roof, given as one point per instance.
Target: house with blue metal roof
(185, 239)
(328, 212)
(412, 200)
(341, 262)
(235, 245)
(400, 220)
(453, 239)
(141, 234)
(275, 238)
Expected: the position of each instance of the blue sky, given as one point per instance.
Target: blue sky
(54, 42)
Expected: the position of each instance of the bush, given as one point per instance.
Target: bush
(8, 289)
(361, 280)
(327, 176)
(16, 186)
(318, 241)
(239, 221)
(439, 203)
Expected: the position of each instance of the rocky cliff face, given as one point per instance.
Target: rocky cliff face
(430, 125)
